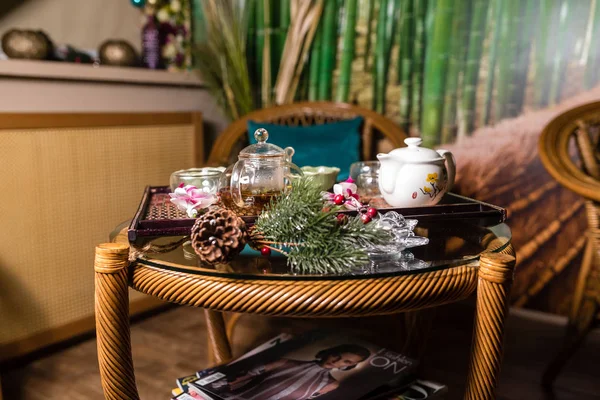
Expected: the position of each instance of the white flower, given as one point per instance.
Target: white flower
(175, 5)
(189, 199)
(169, 51)
(162, 15)
(346, 189)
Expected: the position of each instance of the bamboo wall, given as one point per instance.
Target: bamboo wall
(479, 76)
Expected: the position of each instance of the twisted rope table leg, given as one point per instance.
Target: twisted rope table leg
(217, 336)
(495, 279)
(112, 322)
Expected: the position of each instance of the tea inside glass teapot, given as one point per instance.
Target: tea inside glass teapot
(263, 172)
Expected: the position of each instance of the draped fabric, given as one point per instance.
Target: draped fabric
(293, 380)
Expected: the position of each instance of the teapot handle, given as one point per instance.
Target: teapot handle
(450, 165)
(242, 175)
(289, 153)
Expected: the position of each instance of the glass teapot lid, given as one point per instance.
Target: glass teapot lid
(264, 149)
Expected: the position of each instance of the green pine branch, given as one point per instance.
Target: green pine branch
(319, 243)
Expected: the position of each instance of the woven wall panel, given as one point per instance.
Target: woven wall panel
(63, 191)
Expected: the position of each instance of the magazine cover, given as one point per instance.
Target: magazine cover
(320, 365)
(183, 382)
(194, 395)
(419, 390)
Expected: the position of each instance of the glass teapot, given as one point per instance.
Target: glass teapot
(262, 172)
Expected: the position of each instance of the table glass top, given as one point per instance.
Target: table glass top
(450, 245)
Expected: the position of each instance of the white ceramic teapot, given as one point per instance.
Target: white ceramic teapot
(415, 176)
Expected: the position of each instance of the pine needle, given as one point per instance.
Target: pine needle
(318, 243)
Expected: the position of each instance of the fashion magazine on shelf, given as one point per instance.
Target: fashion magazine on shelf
(318, 364)
(183, 383)
(416, 390)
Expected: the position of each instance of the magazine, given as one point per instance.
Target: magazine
(415, 390)
(315, 365)
(418, 390)
(194, 395)
(183, 382)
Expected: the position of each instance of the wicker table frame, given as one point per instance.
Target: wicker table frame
(491, 278)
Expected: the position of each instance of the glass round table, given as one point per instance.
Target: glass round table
(461, 259)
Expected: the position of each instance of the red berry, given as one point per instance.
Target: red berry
(372, 212)
(265, 251)
(365, 218)
(339, 199)
(342, 218)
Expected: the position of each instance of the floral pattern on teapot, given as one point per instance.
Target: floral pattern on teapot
(432, 188)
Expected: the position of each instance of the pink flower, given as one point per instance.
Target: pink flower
(346, 189)
(190, 199)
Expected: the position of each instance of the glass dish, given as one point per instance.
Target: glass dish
(206, 179)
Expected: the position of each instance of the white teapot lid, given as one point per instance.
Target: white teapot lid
(415, 153)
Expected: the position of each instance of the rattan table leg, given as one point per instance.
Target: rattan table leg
(495, 279)
(586, 303)
(217, 336)
(112, 322)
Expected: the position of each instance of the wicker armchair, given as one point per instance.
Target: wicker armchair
(582, 124)
(374, 128)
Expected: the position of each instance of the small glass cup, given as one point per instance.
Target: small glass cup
(368, 186)
(366, 178)
(364, 167)
(206, 179)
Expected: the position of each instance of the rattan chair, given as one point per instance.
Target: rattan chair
(374, 127)
(582, 124)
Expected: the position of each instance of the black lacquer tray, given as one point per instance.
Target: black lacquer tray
(157, 216)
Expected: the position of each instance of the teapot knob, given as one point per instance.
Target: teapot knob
(413, 142)
(261, 135)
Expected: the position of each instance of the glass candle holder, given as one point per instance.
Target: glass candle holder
(206, 179)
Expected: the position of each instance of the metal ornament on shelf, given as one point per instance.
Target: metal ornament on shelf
(26, 44)
(117, 52)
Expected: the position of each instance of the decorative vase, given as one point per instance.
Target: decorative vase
(117, 52)
(151, 42)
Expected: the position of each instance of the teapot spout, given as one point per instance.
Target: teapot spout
(388, 172)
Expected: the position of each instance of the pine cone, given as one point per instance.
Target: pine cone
(218, 235)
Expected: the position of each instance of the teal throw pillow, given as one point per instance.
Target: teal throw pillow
(336, 144)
